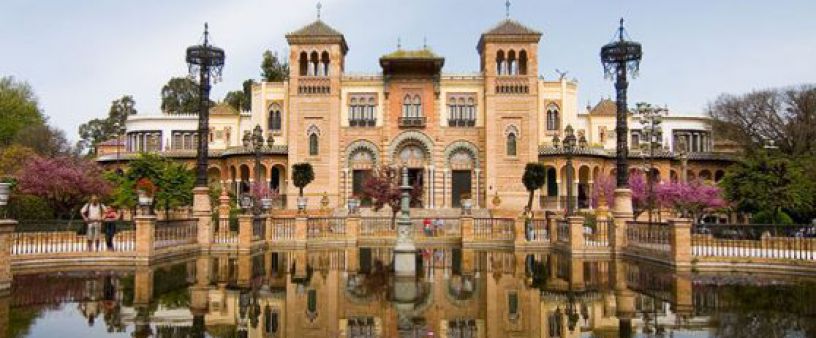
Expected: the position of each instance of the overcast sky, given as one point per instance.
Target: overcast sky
(81, 55)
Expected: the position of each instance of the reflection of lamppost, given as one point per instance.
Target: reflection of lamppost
(569, 149)
(205, 61)
(620, 58)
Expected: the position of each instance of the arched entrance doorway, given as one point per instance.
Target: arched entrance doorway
(461, 164)
(412, 150)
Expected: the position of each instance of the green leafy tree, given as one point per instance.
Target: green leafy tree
(18, 107)
(180, 96)
(302, 175)
(95, 131)
(272, 69)
(770, 184)
(241, 99)
(44, 140)
(535, 175)
(174, 181)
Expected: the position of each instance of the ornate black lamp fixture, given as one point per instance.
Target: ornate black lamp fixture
(569, 150)
(205, 61)
(619, 58)
(255, 141)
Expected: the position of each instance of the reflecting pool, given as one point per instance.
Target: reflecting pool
(354, 293)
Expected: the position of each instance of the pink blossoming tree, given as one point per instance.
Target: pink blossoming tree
(690, 199)
(63, 182)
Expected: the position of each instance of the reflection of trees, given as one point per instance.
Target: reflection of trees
(764, 311)
(374, 283)
(170, 287)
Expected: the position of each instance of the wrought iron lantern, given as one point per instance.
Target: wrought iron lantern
(556, 141)
(206, 62)
(620, 58)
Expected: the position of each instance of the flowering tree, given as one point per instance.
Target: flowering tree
(383, 188)
(605, 185)
(690, 199)
(63, 182)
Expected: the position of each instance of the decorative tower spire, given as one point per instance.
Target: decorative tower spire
(399, 43)
(507, 9)
(319, 6)
(206, 33)
(424, 42)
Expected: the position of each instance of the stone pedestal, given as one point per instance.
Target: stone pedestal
(202, 210)
(466, 222)
(681, 242)
(301, 224)
(622, 213)
(352, 228)
(145, 236)
(576, 235)
(244, 232)
(552, 227)
(520, 226)
(7, 227)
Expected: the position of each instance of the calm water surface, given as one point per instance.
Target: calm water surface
(457, 293)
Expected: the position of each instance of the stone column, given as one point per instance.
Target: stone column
(145, 236)
(682, 294)
(142, 286)
(353, 259)
(202, 210)
(270, 226)
(346, 183)
(244, 232)
(622, 213)
(681, 242)
(431, 186)
(576, 236)
(199, 293)
(6, 230)
(560, 193)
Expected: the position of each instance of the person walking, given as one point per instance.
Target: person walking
(111, 217)
(92, 214)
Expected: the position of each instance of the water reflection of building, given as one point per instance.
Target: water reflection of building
(351, 293)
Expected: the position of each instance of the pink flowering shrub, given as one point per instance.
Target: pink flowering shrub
(65, 183)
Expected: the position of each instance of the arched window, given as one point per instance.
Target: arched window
(511, 144)
(370, 114)
(471, 110)
(417, 106)
(274, 122)
(511, 63)
(303, 64)
(522, 63)
(324, 60)
(313, 145)
(552, 117)
(500, 62)
(313, 67)
(406, 106)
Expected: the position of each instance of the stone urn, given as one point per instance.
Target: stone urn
(5, 192)
(301, 203)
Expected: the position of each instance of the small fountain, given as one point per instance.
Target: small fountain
(405, 250)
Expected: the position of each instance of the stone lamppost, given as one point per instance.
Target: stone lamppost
(405, 250)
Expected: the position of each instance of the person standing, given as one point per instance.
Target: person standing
(111, 217)
(92, 214)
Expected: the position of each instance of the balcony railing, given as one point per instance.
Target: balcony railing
(362, 122)
(461, 122)
(409, 122)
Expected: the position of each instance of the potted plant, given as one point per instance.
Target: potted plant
(145, 189)
(264, 194)
(353, 205)
(467, 204)
(302, 175)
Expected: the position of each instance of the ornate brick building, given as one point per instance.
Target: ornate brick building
(460, 135)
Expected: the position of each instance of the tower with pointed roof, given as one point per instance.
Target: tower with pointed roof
(508, 53)
(317, 61)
